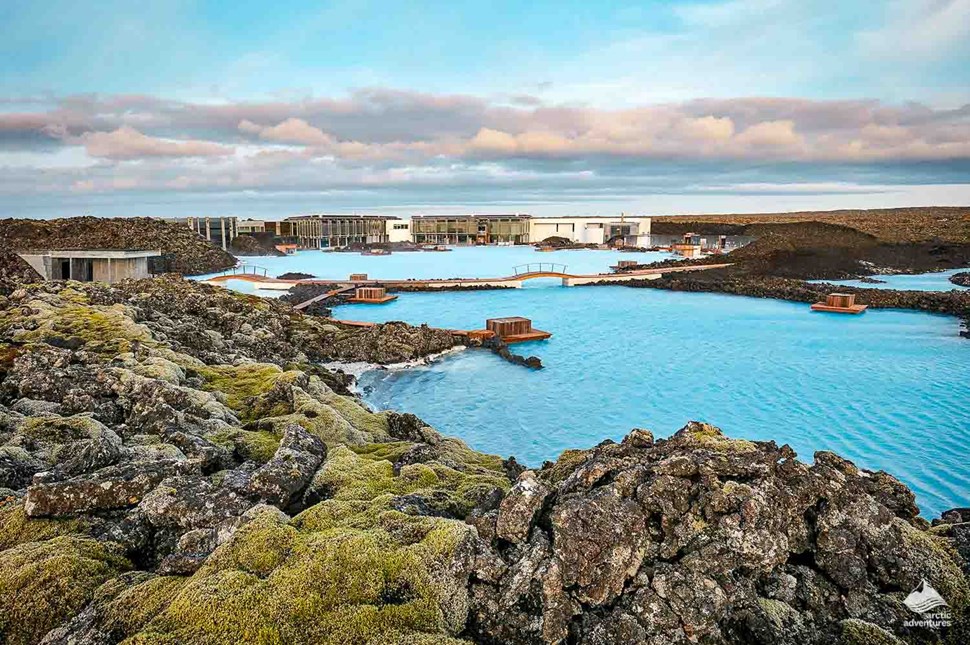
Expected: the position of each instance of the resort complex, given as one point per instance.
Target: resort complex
(335, 231)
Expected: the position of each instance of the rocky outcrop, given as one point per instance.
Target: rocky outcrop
(961, 279)
(183, 250)
(700, 538)
(254, 244)
(15, 271)
(163, 479)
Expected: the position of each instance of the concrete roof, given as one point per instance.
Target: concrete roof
(95, 254)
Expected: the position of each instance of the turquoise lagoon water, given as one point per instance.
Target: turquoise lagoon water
(460, 262)
(889, 389)
(939, 281)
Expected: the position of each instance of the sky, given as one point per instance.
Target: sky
(547, 107)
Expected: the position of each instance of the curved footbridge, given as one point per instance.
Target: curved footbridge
(520, 275)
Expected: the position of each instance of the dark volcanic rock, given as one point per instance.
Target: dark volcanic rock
(142, 425)
(254, 244)
(283, 477)
(699, 538)
(110, 488)
(961, 279)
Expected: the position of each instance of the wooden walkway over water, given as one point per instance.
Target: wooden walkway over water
(522, 274)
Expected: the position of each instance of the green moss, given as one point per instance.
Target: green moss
(16, 528)
(568, 461)
(132, 608)
(44, 583)
(939, 561)
(59, 430)
(258, 446)
(348, 476)
(859, 632)
(105, 330)
(707, 436)
(382, 451)
(240, 383)
(342, 584)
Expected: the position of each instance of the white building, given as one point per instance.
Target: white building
(633, 231)
(398, 230)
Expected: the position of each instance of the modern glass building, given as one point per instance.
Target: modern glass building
(324, 231)
(470, 229)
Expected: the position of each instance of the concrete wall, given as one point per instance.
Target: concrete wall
(587, 230)
(398, 230)
(111, 270)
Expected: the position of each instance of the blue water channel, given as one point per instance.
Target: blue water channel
(938, 281)
(889, 389)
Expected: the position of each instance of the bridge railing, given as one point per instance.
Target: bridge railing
(246, 269)
(539, 267)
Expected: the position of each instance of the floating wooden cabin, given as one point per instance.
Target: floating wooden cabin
(840, 303)
(358, 277)
(515, 329)
(372, 295)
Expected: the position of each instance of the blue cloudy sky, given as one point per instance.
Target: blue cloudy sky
(170, 107)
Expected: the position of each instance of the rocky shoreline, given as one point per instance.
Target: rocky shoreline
(177, 467)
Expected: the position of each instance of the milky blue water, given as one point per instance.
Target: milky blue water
(939, 281)
(460, 262)
(889, 389)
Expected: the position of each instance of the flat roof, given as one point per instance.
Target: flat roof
(616, 218)
(507, 216)
(368, 217)
(113, 254)
(509, 319)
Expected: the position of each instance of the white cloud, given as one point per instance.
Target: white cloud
(128, 143)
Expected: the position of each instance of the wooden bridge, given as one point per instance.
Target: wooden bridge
(520, 274)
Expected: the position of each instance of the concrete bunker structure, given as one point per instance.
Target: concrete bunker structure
(91, 265)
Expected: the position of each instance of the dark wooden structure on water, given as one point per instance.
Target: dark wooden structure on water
(372, 296)
(840, 303)
(515, 329)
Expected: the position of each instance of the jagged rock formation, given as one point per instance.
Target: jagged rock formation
(961, 279)
(175, 469)
(14, 270)
(254, 244)
(183, 250)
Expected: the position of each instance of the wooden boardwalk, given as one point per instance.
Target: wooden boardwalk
(323, 296)
(514, 281)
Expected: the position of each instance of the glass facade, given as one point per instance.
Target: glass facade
(470, 229)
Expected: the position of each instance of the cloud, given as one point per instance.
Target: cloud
(410, 146)
(291, 130)
(128, 143)
(923, 29)
(770, 133)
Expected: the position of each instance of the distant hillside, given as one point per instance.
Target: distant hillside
(920, 224)
(184, 251)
